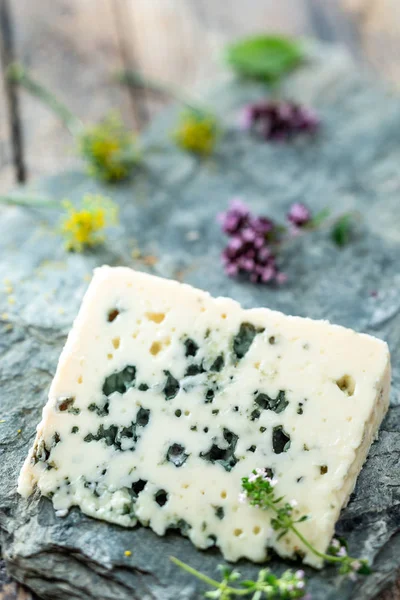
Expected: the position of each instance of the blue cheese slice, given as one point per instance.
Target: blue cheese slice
(164, 398)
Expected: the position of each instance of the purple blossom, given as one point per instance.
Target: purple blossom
(235, 218)
(278, 120)
(299, 214)
(249, 250)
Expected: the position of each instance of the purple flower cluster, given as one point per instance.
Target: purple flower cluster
(249, 250)
(279, 121)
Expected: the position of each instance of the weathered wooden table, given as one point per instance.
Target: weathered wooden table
(76, 46)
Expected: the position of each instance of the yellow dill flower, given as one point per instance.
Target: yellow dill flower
(109, 149)
(82, 227)
(197, 132)
(128, 553)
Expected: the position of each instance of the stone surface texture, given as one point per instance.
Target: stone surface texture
(353, 164)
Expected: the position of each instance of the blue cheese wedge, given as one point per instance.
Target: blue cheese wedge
(164, 398)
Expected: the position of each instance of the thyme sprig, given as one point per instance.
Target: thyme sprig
(255, 242)
(259, 491)
(289, 585)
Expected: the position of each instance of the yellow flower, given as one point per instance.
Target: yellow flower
(109, 149)
(128, 553)
(83, 227)
(197, 133)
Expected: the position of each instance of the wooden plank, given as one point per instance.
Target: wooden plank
(332, 24)
(73, 48)
(378, 23)
(162, 40)
(230, 19)
(10, 133)
(6, 166)
(179, 41)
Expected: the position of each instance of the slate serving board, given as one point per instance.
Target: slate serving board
(352, 164)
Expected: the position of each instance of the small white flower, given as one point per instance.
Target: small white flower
(299, 574)
(335, 543)
(242, 498)
(293, 503)
(342, 551)
(300, 585)
(274, 482)
(253, 477)
(356, 565)
(260, 471)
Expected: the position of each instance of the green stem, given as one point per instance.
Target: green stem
(18, 74)
(206, 579)
(29, 201)
(326, 557)
(327, 223)
(136, 80)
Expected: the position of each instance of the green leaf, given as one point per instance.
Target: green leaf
(248, 583)
(265, 57)
(282, 533)
(365, 569)
(341, 230)
(303, 518)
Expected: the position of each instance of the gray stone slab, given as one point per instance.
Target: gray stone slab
(352, 164)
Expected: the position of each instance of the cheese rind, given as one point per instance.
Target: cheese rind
(164, 398)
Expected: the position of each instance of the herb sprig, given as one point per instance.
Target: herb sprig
(198, 128)
(289, 585)
(110, 152)
(256, 241)
(259, 491)
(82, 225)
